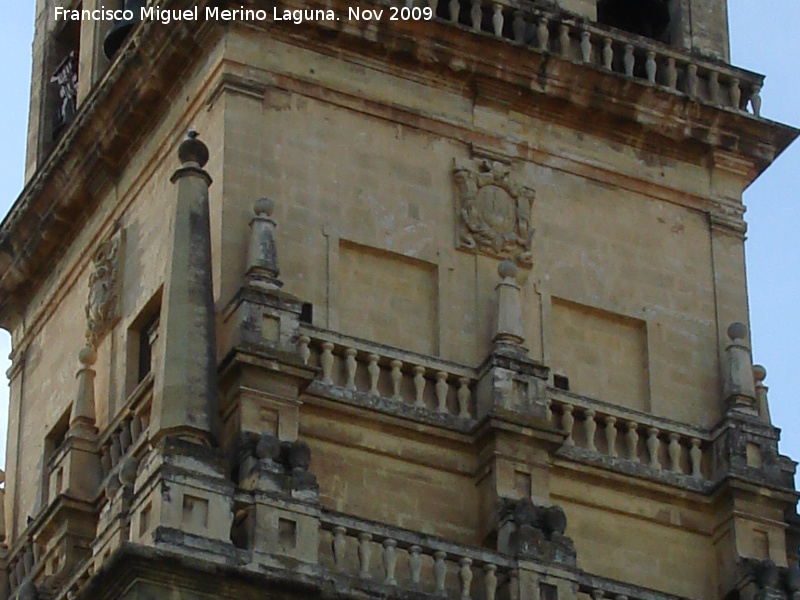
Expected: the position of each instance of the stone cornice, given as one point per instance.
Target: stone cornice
(530, 82)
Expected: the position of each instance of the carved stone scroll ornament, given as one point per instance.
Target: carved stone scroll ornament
(102, 308)
(494, 213)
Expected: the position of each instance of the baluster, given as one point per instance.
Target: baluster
(455, 8)
(650, 66)
(629, 60)
(755, 100)
(691, 81)
(672, 73)
(597, 594)
(352, 367)
(136, 428)
(633, 442)
(116, 451)
(390, 560)
(419, 386)
(490, 581)
(713, 87)
(441, 391)
(303, 343)
(28, 559)
(674, 453)
(497, 19)
(19, 570)
(364, 554)
(543, 34)
(567, 422)
(105, 460)
(374, 373)
(339, 545)
(415, 563)
(439, 570)
(736, 94)
(563, 40)
(520, 27)
(611, 436)
(476, 14)
(590, 427)
(697, 456)
(465, 574)
(433, 4)
(463, 398)
(397, 378)
(652, 447)
(586, 46)
(608, 54)
(125, 436)
(549, 408)
(326, 360)
(513, 584)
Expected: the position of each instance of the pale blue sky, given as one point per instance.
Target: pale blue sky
(764, 38)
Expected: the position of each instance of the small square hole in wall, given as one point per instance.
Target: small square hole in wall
(287, 533)
(144, 519)
(760, 544)
(522, 484)
(195, 511)
(561, 382)
(753, 455)
(548, 591)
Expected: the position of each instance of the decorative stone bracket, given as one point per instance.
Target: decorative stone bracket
(493, 212)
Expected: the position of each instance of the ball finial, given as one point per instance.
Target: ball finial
(264, 207)
(87, 356)
(506, 268)
(192, 150)
(759, 373)
(737, 331)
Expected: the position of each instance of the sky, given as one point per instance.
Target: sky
(763, 39)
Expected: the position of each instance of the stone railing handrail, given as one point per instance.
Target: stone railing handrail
(650, 443)
(607, 48)
(350, 536)
(363, 367)
(623, 413)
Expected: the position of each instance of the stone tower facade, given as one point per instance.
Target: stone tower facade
(448, 306)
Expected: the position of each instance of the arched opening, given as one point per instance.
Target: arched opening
(648, 18)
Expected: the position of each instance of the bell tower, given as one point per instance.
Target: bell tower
(432, 299)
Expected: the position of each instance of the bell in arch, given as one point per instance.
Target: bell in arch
(117, 34)
(649, 18)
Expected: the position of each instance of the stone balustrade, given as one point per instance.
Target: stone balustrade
(656, 444)
(600, 588)
(24, 565)
(613, 50)
(360, 367)
(128, 430)
(376, 554)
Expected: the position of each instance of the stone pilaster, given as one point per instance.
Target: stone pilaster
(262, 323)
(185, 397)
(516, 441)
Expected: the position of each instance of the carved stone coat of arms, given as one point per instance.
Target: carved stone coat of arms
(494, 213)
(102, 308)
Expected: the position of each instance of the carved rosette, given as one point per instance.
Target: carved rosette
(103, 306)
(493, 212)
